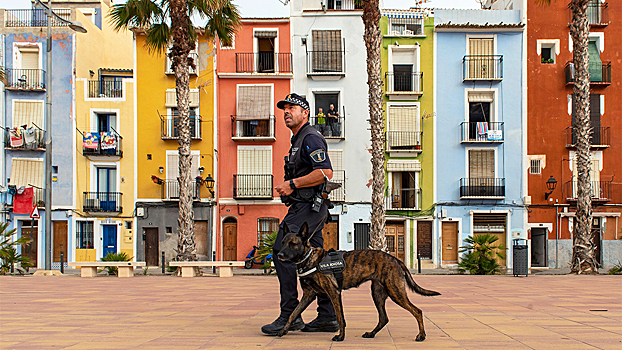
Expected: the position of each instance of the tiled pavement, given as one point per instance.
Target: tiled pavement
(165, 312)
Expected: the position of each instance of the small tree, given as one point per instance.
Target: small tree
(112, 270)
(481, 255)
(8, 252)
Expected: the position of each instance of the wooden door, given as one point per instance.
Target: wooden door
(330, 233)
(395, 240)
(424, 239)
(501, 241)
(152, 246)
(230, 239)
(449, 246)
(60, 240)
(596, 238)
(200, 238)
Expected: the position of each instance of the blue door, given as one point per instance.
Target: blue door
(110, 239)
(106, 189)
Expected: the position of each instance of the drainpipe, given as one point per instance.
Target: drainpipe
(557, 223)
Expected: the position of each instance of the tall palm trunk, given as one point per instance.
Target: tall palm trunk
(583, 259)
(373, 41)
(182, 45)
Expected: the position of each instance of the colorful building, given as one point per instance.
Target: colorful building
(253, 74)
(407, 69)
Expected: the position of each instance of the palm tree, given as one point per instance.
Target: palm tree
(169, 22)
(583, 259)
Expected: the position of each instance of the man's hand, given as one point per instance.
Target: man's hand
(284, 189)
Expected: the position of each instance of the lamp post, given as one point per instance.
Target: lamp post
(78, 27)
(551, 183)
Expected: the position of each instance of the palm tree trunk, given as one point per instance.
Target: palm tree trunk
(583, 260)
(373, 41)
(182, 45)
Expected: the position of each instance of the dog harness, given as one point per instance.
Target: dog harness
(332, 263)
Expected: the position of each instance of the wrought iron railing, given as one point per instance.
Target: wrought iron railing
(403, 199)
(25, 79)
(39, 197)
(263, 62)
(252, 128)
(170, 127)
(598, 74)
(599, 137)
(35, 18)
(403, 82)
(171, 189)
(326, 62)
(252, 186)
(105, 89)
(330, 127)
(482, 131)
(342, 5)
(339, 194)
(109, 143)
(105, 202)
(482, 67)
(597, 13)
(482, 187)
(404, 140)
(405, 26)
(600, 190)
(25, 139)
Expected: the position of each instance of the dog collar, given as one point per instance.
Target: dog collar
(306, 257)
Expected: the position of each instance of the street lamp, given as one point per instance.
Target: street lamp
(78, 27)
(551, 183)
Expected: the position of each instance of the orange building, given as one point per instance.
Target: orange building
(252, 75)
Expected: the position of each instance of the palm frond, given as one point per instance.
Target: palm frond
(223, 20)
(158, 37)
(135, 13)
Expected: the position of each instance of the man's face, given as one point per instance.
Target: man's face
(332, 107)
(294, 115)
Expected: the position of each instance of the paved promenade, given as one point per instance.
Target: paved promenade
(166, 312)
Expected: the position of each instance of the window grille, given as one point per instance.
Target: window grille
(84, 235)
(535, 168)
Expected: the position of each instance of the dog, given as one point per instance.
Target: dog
(388, 275)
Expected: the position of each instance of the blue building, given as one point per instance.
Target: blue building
(480, 144)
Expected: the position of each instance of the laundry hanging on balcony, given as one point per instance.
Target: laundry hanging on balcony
(109, 140)
(17, 137)
(90, 140)
(30, 137)
(22, 202)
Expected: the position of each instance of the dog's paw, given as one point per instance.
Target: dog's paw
(420, 337)
(281, 333)
(369, 335)
(339, 337)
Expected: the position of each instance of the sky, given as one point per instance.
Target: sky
(274, 8)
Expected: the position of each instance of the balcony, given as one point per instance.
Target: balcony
(482, 132)
(171, 189)
(482, 188)
(402, 86)
(105, 89)
(195, 60)
(399, 26)
(599, 75)
(35, 18)
(32, 139)
(339, 194)
(327, 64)
(252, 186)
(263, 62)
(599, 137)
(170, 127)
(331, 128)
(597, 14)
(601, 191)
(482, 67)
(102, 202)
(106, 144)
(403, 199)
(342, 5)
(252, 128)
(25, 79)
(399, 141)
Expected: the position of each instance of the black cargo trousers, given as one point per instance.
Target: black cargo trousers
(298, 214)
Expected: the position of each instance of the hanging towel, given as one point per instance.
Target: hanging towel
(29, 137)
(109, 140)
(482, 131)
(22, 203)
(17, 137)
(90, 140)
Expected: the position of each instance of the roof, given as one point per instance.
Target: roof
(479, 26)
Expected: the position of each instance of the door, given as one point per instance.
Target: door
(152, 246)
(106, 189)
(449, 248)
(596, 239)
(330, 233)
(424, 239)
(30, 230)
(265, 63)
(403, 75)
(361, 236)
(60, 240)
(109, 239)
(200, 239)
(395, 240)
(230, 240)
(538, 247)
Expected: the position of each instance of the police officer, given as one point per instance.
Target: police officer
(305, 168)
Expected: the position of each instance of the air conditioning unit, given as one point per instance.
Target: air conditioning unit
(140, 212)
(408, 32)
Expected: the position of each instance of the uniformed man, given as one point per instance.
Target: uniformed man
(306, 170)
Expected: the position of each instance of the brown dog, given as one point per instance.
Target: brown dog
(388, 274)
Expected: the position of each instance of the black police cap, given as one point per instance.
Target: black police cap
(294, 99)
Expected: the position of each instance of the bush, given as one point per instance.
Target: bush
(112, 270)
(265, 248)
(480, 258)
(8, 252)
(616, 269)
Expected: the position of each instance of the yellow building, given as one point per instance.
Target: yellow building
(157, 188)
(103, 220)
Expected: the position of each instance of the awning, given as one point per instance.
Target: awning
(254, 102)
(394, 165)
(481, 96)
(27, 172)
(265, 34)
(28, 113)
(402, 14)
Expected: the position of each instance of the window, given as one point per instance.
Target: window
(595, 63)
(266, 226)
(194, 55)
(482, 164)
(403, 75)
(28, 113)
(339, 175)
(27, 172)
(547, 55)
(254, 175)
(548, 49)
(343, 5)
(329, 122)
(595, 116)
(404, 192)
(594, 175)
(327, 54)
(265, 43)
(481, 125)
(403, 128)
(254, 111)
(171, 189)
(406, 26)
(84, 235)
(194, 121)
(535, 168)
(481, 62)
(29, 57)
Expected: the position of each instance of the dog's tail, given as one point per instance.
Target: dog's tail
(413, 285)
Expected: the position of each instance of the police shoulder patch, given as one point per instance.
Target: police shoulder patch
(318, 156)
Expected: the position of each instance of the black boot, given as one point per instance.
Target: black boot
(278, 324)
(322, 325)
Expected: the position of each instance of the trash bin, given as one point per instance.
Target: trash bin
(520, 257)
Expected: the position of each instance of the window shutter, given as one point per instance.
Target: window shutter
(403, 126)
(28, 113)
(265, 34)
(481, 67)
(171, 98)
(482, 164)
(327, 50)
(26, 172)
(30, 58)
(254, 161)
(254, 102)
(172, 172)
(481, 46)
(336, 159)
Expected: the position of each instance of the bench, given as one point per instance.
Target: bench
(225, 267)
(89, 268)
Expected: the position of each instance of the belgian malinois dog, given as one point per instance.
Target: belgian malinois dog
(388, 275)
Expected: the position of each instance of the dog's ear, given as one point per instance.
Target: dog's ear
(304, 232)
(285, 228)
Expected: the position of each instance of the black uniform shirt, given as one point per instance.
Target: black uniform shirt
(313, 151)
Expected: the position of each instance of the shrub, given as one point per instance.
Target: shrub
(112, 270)
(616, 269)
(8, 254)
(265, 248)
(480, 258)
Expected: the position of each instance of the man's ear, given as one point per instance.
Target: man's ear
(304, 232)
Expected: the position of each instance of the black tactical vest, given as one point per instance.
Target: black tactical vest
(298, 167)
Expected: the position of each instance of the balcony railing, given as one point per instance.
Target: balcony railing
(400, 83)
(599, 137)
(170, 127)
(342, 5)
(102, 202)
(338, 195)
(195, 60)
(259, 128)
(35, 18)
(25, 79)
(482, 131)
(326, 62)
(105, 89)
(252, 186)
(107, 143)
(405, 26)
(171, 190)
(482, 188)
(403, 199)
(404, 140)
(482, 67)
(331, 128)
(25, 139)
(263, 62)
(600, 190)
(599, 75)
(597, 13)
